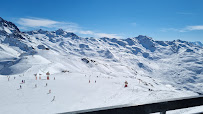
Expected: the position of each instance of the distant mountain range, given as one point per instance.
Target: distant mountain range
(178, 62)
(198, 43)
(90, 72)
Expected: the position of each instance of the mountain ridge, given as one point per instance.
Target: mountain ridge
(141, 53)
(92, 70)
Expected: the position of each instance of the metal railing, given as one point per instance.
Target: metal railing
(161, 107)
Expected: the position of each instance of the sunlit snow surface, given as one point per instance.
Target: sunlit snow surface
(172, 69)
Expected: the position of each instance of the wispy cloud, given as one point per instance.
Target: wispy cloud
(185, 29)
(107, 35)
(184, 13)
(197, 27)
(30, 23)
(86, 32)
(36, 22)
(97, 34)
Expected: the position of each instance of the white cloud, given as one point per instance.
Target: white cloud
(26, 23)
(106, 35)
(36, 22)
(96, 34)
(86, 32)
(185, 29)
(197, 27)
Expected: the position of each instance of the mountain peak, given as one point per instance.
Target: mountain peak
(41, 31)
(197, 43)
(1, 19)
(7, 26)
(60, 29)
(60, 32)
(143, 37)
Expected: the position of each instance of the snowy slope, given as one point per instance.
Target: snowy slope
(198, 43)
(172, 69)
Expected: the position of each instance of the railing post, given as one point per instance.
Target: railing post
(164, 112)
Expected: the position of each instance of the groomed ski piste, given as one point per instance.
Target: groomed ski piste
(78, 88)
(88, 73)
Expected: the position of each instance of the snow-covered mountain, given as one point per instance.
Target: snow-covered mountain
(170, 68)
(198, 43)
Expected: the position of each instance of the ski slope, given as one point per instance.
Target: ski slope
(90, 72)
(73, 91)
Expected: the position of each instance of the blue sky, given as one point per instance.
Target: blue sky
(159, 19)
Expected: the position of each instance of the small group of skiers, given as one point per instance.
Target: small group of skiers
(23, 81)
(41, 78)
(94, 81)
(126, 84)
(53, 97)
(36, 85)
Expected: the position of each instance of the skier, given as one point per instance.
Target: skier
(46, 84)
(47, 77)
(49, 91)
(14, 77)
(150, 89)
(20, 87)
(35, 85)
(22, 81)
(95, 81)
(53, 99)
(54, 78)
(126, 84)
(89, 81)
